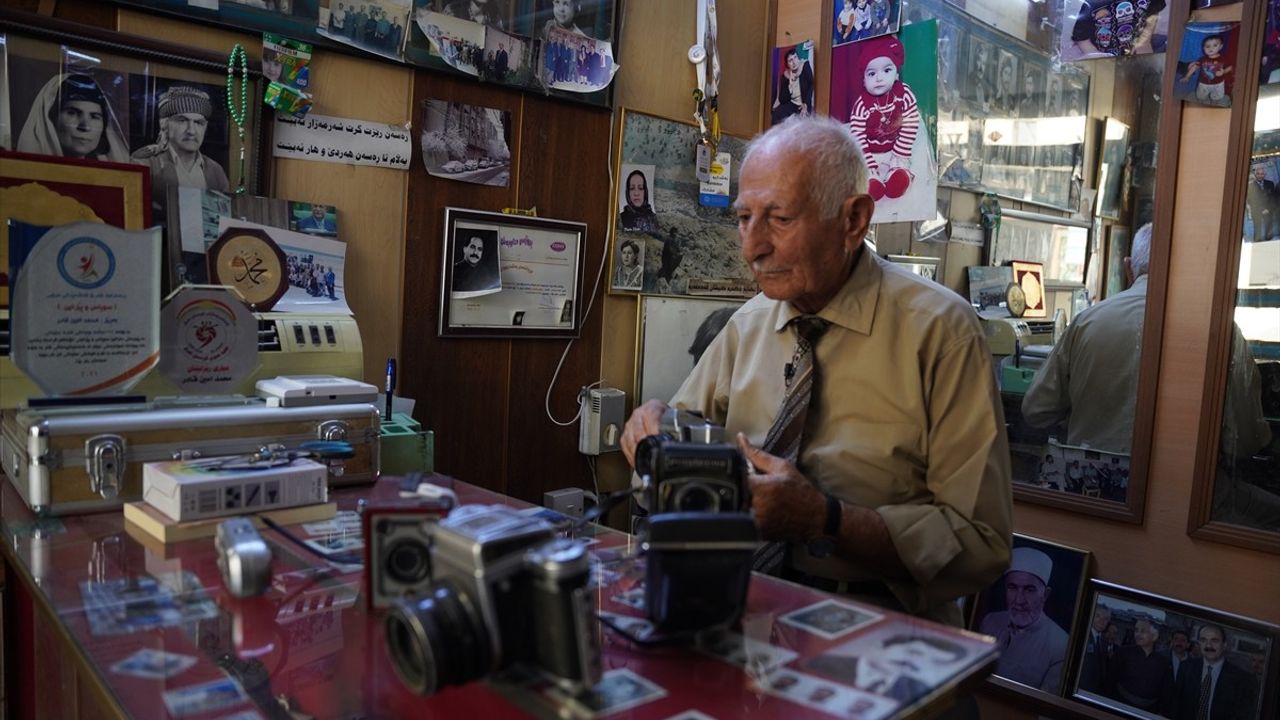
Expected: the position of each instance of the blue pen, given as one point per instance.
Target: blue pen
(391, 384)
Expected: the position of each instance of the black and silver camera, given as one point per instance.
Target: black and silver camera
(397, 547)
(504, 591)
(688, 467)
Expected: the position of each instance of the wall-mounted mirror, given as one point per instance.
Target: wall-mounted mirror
(1238, 483)
(1070, 383)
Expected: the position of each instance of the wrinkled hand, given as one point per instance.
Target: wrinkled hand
(645, 420)
(786, 505)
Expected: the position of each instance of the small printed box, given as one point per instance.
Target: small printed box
(199, 489)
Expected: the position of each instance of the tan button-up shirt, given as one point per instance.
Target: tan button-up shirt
(908, 422)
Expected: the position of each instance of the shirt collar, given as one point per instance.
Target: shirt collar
(199, 163)
(854, 305)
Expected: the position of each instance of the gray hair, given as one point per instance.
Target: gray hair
(837, 169)
(1140, 253)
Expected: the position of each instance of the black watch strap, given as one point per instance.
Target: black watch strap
(834, 512)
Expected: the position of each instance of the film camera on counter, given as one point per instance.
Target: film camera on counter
(504, 591)
(701, 537)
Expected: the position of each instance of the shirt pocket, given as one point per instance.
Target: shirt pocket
(870, 463)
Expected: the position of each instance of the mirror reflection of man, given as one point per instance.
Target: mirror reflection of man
(1032, 646)
(1090, 379)
(175, 158)
(472, 270)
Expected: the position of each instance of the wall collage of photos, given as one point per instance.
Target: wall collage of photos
(522, 44)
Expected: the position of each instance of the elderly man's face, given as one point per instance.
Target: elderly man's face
(1025, 595)
(796, 255)
(473, 251)
(1212, 644)
(318, 211)
(1259, 173)
(186, 131)
(1145, 634)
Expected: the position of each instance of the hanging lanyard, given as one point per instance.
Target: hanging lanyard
(707, 95)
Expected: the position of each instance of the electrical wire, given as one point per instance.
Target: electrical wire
(591, 299)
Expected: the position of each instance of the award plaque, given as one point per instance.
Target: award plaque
(251, 262)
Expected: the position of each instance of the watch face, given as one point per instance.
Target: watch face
(1016, 299)
(252, 263)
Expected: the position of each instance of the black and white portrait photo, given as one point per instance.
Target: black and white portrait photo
(628, 273)
(58, 111)
(636, 212)
(474, 268)
(180, 130)
(1030, 100)
(979, 79)
(1005, 101)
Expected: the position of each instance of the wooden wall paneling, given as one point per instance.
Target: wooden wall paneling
(564, 172)
(461, 384)
(370, 200)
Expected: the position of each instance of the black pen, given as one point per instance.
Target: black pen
(391, 385)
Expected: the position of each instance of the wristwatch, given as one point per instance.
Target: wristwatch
(825, 544)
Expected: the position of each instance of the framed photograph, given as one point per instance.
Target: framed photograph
(146, 102)
(1148, 656)
(1031, 611)
(1029, 276)
(43, 190)
(510, 276)
(686, 248)
(674, 332)
(1115, 148)
(1207, 63)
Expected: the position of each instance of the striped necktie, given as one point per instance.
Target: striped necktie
(787, 433)
(1206, 689)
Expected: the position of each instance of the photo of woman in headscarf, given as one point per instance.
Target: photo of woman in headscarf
(637, 214)
(71, 117)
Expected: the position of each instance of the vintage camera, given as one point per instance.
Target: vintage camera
(243, 557)
(688, 467)
(505, 591)
(697, 568)
(397, 547)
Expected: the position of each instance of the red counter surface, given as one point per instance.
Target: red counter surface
(310, 644)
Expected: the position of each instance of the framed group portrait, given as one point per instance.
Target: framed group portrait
(510, 276)
(1146, 656)
(77, 92)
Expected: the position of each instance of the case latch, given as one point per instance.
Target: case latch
(104, 461)
(334, 430)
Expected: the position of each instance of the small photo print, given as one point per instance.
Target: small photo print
(457, 42)
(1103, 29)
(378, 26)
(628, 274)
(153, 664)
(475, 262)
(313, 218)
(1207, 63)
(824, 695)
(619, 690)
(633, 598)
(862, 19)
(756, 658)
(830, 619)
(636, 208)
(901, 659)
(575, 62)
(206, 697)
(792, 81)
(637, 627)
(468, 143)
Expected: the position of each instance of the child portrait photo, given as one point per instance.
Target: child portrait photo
(1207, 63)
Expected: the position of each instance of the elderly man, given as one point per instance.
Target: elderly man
(892, 485)
(1033, 647)
(1139, 676)
(175, 159)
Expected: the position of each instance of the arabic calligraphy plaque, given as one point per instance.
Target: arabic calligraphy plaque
(251, 262)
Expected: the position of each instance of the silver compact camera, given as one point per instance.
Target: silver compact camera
(687, 467)
(504, 591)
(243, 557)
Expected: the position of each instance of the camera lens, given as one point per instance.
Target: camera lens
(693, 497)
(437, 640)
(408, 562)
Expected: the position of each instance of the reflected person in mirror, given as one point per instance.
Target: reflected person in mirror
(894, 486)
(1090, 379)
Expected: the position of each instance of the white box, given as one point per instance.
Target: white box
(194, 490)
(300, 390)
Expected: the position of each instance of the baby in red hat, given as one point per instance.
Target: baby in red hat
(885, 116)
